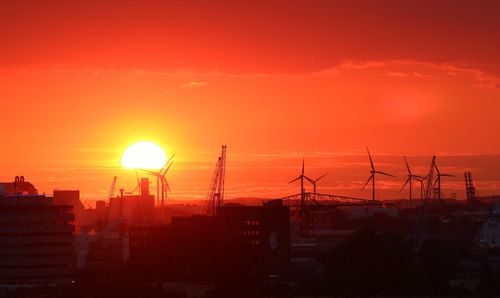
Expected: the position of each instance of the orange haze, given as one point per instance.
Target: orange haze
(274, 80)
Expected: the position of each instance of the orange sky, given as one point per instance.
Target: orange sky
(273, 80)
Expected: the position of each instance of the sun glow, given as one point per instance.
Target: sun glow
(144, 155)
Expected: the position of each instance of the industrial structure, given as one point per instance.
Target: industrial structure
(135, 209)
(469, 188)
(215, 196)
(309, 203)
(112, 188)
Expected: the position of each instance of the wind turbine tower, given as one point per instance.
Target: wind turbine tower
(373, 172)
(420, 233)
(160, 179)
(438, 178)
(301, 177)
(421, 180)
(410, 179)
(313, 182)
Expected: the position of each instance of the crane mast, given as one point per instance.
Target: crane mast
(470, 189)
(215, 197)
(112, 188)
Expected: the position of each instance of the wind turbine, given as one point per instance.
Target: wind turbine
(160, 178)
(313, 182)
(306, 217)
(410, 179)
(438, 178)
(421, 180)
(372, 176)
(301, 177)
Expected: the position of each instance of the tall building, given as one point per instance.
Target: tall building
(262, 231)
(244, 241)
(181, 251)
(71, 198)
(36, 241)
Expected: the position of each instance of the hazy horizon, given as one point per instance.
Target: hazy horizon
(274, 80)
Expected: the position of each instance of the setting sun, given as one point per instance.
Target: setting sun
(144, 155)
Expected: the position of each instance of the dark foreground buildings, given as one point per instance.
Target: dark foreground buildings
(36, 241)
(239, 243)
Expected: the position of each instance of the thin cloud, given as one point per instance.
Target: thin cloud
(399, 68)
(194, 84)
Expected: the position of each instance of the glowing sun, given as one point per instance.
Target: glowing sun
(144, 155)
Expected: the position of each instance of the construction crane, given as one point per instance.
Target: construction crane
(112, 188)
(137, 186)
(469, 188)
(215, 196)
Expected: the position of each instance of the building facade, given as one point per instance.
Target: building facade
(36, 241)
(245, 241)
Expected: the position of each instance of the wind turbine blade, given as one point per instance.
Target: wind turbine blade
(407, 166)
(295, 179)
(302, 166)
(407, 180)
(167, 168)
(418, 177)
(383, 173)
(167, 164)
(309, 179)
(435, 166)
(370, 157)
(151, 172)
(164, 181)
(137, 176)
(369, 179)
(447, 175)
(435, 182)
(317, 179)
(171, 158)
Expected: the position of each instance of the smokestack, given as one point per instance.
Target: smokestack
(144, 186)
